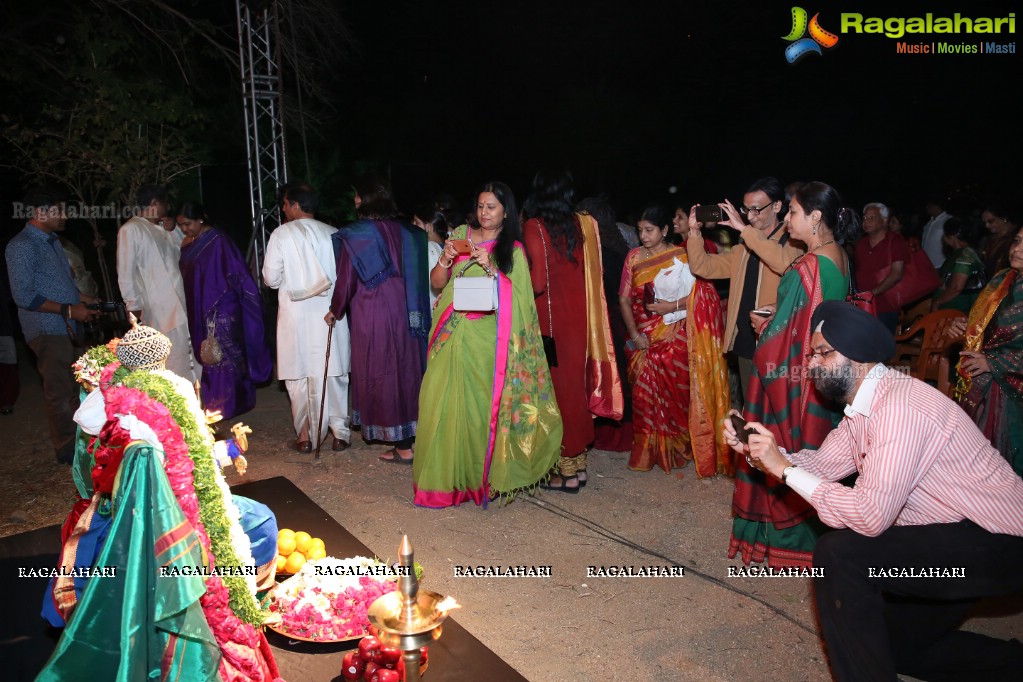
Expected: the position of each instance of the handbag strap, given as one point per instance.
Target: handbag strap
(547, 279)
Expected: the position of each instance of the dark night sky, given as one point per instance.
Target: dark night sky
(636, 96)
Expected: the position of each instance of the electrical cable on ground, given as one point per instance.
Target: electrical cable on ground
(625, 542)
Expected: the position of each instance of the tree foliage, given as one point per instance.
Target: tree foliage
(104, 107)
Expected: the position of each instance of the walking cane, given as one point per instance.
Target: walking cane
(323, 392)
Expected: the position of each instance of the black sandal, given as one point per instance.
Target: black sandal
(564, 488)
(395, 458)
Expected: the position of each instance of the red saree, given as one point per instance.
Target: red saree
(680, 383)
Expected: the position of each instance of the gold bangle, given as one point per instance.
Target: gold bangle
(446, 267)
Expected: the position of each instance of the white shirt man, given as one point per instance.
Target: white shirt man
(932, 239)
(300, 264)
(150, 279)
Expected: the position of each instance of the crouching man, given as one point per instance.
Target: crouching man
(933, 522)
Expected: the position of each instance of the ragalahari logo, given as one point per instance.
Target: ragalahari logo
(802, 46)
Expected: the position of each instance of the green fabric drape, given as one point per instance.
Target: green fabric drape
(138, 625)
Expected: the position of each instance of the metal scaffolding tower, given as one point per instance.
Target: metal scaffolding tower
(258, 40)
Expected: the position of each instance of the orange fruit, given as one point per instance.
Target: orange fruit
(315, 552)
(285, 531)
(294, 562)
(319, 542)
(285, 545)
(281, 561)
(303, 541)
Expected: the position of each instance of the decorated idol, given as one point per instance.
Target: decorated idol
(157, 550)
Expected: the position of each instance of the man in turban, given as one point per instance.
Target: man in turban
(933, 522)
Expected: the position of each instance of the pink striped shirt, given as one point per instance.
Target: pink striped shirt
(920, 458)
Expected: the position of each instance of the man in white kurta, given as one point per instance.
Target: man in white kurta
(300, 264)
(150, 279)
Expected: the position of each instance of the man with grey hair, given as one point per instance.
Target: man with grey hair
(880, 261)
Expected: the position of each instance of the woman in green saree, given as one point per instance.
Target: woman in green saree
(962, 274)
(489, 423)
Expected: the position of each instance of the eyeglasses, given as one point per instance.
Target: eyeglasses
(754, 210)
(822, 354)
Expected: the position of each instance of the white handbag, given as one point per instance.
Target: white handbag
(475, 294)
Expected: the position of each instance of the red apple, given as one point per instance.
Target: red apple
(353, 666)
(389, 655)
(372, 629)
(369, 649)
(387, 675)
(424, 656)
(371, 671)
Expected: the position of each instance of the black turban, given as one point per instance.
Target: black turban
(856, 334)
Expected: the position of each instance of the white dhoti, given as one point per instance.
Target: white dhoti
(181, 360)
(305, 407)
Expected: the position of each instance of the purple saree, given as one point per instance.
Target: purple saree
(221, 294)
(381, 286)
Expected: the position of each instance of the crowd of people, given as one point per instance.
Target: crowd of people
(492, 349)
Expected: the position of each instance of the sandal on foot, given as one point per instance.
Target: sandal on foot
(392, 457)
(582, 481)
(563, 488)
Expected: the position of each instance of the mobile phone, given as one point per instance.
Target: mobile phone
(763, 312)
(739, 424)
(709, 214)
(462, 245)
(649, 297)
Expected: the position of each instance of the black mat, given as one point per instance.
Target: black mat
(26, 642)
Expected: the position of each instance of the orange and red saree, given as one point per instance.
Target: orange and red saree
(680, 383)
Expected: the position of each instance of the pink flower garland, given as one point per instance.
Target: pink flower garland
(240, 643)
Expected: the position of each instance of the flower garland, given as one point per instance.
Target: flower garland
(239, 540)
(213, 508)
(89, 367)
(238, 641)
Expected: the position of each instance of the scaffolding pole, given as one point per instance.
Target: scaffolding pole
(259, 56)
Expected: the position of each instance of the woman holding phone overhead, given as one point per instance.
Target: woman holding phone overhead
(771, 522)
(489, 423)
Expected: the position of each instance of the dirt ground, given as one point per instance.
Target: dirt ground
(702, 626)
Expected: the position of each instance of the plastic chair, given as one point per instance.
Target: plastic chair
(929, 357)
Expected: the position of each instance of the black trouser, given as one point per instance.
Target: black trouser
(877, 626)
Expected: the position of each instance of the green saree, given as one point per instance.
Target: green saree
(488, 420)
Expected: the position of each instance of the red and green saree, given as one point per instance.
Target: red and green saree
(770, 520)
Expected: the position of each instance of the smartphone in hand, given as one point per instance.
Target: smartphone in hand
(710, 213)
(739, 424)
(462, 245)
(763, 312)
